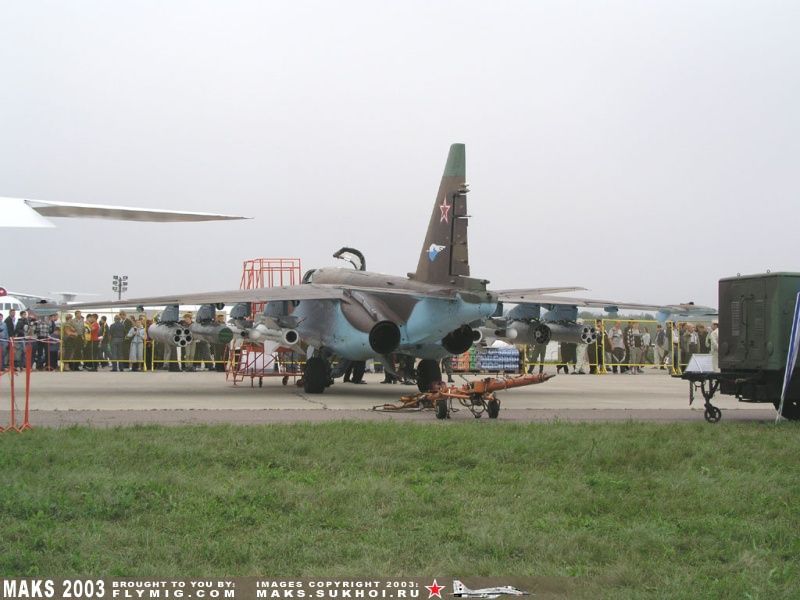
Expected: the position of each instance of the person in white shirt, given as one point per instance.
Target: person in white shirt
(645, 343)
(617, 340)
(713, 345)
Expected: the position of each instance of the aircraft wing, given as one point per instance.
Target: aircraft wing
(22, 212)
(16, 213)
(591, 302)
(26, 295)
(308, 291)
(673, 309)
(529, 295)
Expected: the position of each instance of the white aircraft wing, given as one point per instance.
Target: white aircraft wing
(18, 214)
(22, 212)
(25, 295)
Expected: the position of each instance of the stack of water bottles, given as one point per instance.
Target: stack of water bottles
(498, 359)
(465, 362)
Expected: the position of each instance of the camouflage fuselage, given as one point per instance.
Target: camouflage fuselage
(425, 313)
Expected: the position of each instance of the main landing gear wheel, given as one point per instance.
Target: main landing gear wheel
(441, 409)
(315, 376)
(712, 414)
(428, 373)
(493, 408)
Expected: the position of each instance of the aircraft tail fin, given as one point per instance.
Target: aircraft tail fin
(459, 588)
(445, 252)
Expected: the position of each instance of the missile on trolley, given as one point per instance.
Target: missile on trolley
(542, 332)
(173, 334)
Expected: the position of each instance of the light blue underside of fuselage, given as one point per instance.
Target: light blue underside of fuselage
(322, 324)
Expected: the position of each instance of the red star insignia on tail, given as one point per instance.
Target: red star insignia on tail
(435, 589)
(445, 208)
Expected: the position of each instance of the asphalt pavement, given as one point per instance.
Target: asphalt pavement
(106, 399)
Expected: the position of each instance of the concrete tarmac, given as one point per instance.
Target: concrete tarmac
(106, 399)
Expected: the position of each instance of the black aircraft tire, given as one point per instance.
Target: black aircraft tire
(441, 408)
(791, 409)
(428, 372)
(315, 376)
(493, 408)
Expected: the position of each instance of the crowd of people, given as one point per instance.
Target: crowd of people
(91, 342)
(632, 347)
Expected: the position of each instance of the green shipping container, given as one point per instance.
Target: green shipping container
(755, 323)
(755, 320)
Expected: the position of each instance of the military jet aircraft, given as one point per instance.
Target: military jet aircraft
(353, 314)
(462, 591)
(23, 212)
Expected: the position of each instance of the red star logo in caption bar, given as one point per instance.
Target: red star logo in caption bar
(445, 208)
(435, 589)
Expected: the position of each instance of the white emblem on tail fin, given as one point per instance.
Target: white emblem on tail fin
(433, 251)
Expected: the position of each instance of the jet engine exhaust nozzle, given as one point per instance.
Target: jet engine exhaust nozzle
(384, 337)
(459, 340)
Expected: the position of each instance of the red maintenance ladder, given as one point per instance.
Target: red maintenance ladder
(250, 360)
(267, 273)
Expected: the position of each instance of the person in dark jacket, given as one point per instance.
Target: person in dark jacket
(3, 344)
(116, 333)
(20, 332)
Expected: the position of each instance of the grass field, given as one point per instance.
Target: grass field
(625, 510)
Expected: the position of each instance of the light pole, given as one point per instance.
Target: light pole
(119, 285)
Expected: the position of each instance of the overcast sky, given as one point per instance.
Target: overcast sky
(640, 149)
